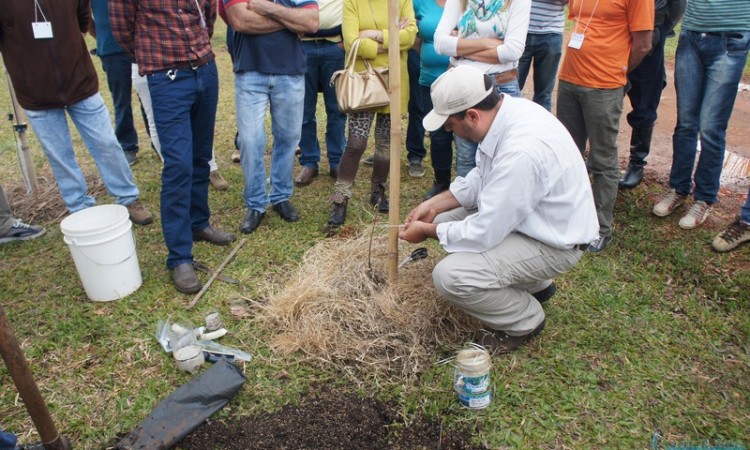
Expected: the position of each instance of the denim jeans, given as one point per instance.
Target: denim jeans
(185, 114)
(745, 211)
(91, 118)
(323, 58)
(466, 151)
(286, 94)
(544, 52)
(647, 81)
(415, 150)
(441, 141)
(593, 115)
(708, 68)
(117, 68)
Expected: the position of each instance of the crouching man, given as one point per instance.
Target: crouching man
(523, 216)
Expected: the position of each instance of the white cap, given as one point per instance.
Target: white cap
(456, 90)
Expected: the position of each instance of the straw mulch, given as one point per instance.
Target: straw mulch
(45, 205)
(337, 313)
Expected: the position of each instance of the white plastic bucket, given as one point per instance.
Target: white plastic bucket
(102, 244)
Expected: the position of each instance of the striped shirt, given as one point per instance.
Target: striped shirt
(717, 15)
(160, 34)
(547, 16)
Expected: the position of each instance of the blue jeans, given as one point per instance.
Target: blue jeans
(415, 150)
(91, 118)
(745, 211)
(185, 115)
(441, 141)
(708, 68)
(323, 58)
(545, 50)
(286, 94)
(646, 83)
(466, 150)
(117, 67)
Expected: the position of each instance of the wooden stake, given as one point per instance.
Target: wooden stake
(394, 77)
(216, 273)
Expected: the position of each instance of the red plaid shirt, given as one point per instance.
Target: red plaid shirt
(159, 34)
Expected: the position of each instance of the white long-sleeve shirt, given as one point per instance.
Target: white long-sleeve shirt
(530, 178)
(510, 25)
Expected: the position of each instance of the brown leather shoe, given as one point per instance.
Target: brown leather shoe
(139, 214)
(212, 235)
(305, 176)
(184, 278)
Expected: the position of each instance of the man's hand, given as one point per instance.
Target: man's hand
(417, 231)
(424, 213)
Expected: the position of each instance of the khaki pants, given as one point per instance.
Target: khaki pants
(495, 286)
(6, 218)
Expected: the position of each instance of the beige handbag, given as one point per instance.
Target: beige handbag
(360, 91)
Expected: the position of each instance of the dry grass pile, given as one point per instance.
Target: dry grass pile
(45, 205)
(336, 312)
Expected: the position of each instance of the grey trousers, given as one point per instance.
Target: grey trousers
(6, 217)
(496, 286)
(594, 115)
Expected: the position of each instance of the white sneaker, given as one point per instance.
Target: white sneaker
(668, 203)
(695, 216)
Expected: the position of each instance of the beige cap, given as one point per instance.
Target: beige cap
(456, 90)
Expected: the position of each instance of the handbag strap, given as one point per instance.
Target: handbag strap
(351, 58)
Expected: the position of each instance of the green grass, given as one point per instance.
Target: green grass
(652, 335)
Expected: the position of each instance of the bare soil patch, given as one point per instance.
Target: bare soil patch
(327, 419)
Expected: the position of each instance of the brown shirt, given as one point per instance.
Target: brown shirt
(47, 73)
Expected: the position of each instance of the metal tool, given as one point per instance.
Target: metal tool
(420, 253)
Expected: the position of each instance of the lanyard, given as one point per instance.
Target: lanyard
(38, 8)
(200, 11)
(580, 9)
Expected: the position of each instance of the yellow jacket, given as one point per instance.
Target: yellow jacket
(358, 15)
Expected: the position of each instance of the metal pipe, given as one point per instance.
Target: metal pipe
(27, 388)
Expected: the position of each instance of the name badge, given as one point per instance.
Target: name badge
(42, 30)
(576, 40)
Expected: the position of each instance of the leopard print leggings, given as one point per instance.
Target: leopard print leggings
(359, 131)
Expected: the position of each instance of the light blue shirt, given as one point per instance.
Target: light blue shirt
(431, 63)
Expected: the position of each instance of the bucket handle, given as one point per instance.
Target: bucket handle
(90, 244)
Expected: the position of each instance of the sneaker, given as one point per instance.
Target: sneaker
(695, 216)
(737, 233)
(236, 156)
(20, 231)
(130, 156)
(368, 160)
(217, 181)
(139, 214)
(600, 244)
(416, 169)
(498, 342)
(668, 203)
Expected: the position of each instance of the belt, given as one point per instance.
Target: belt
(505, 77)
(194, 64)
(729, 34)
(322, 41)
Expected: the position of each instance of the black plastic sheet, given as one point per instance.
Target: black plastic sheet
(186, 409)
